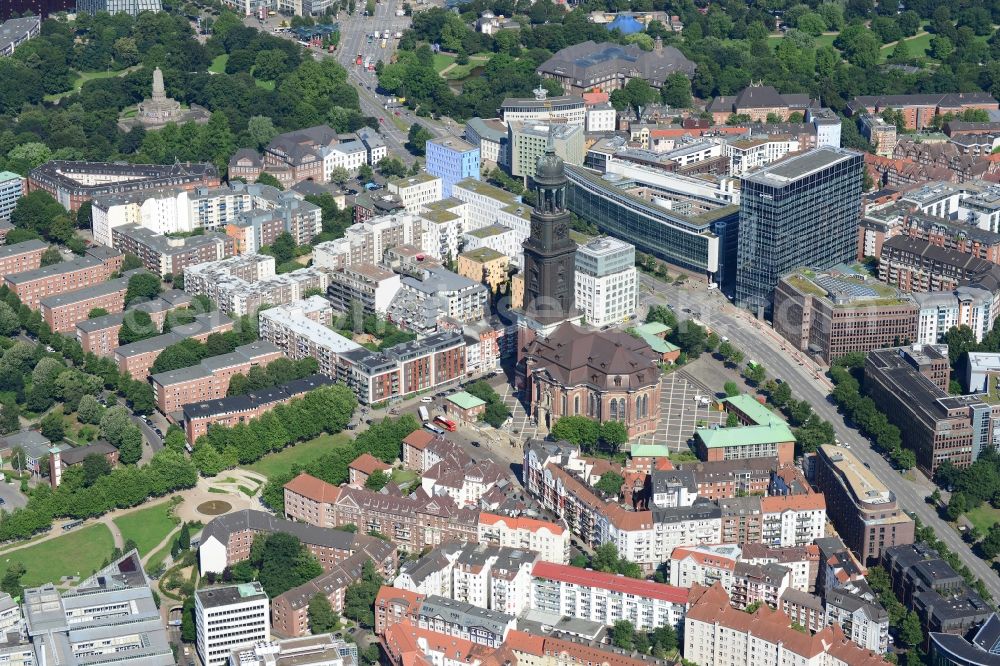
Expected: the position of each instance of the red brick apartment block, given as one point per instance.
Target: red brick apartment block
(62, 311)
(99, 335)
(137, 358)
(21, 257)
(34, 285)
(210, 379)
(238, 409)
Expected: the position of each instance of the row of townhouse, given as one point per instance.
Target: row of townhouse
(411, 522)
(554, 475)
(716, 634)
(486, 576)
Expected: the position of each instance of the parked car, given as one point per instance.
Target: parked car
(426, 399)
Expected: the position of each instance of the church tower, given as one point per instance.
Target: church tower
(549, 252)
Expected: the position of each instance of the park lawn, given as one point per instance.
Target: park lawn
(78, 553)
(459, 72)
(147, 527)
(983, 516)
(264, 85)
(401, 477)
(302, 454)
(83, 77)
(442, 60)
(219, 64)
(918, 47)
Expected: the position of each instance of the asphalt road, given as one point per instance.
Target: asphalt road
(808, 382)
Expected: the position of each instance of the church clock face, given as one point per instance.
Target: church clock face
(561, 231)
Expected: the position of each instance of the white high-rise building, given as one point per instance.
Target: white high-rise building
(606, 281)
(229, 617)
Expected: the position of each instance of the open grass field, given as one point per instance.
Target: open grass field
(77, 553)
(984, 517)
(219, 64)
(147, 527)
(83, 77)
(264, 85)
(442, 60)
(918, 47)
(302, 454)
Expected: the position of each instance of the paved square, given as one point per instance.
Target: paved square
(520, 421)
(680, 413)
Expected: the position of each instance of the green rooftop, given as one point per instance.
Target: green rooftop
(464, 400)
(8, 175)
(487, 190)
(489, 230)
(651, 332)
(755, 411)
(406, 181)
(650, 451)
(482, 254)
(717, 438)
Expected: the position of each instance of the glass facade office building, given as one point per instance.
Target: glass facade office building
(133, 7)
(803, 211)
(704, 244)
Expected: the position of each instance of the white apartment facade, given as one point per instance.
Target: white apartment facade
(549, 540)
(940, 311)
(601, 118)
(793, 520)
(606, 281)
(417, 191)
(228, 617)
(704, 565)
(747, 154)
(606, 598)
(350, 155)
(496, 237)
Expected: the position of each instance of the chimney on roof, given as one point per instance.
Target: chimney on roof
(658, 46)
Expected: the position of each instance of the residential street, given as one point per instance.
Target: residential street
(762, 344)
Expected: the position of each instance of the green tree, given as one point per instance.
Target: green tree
(662, 314)
(89, 410)
(53, 427)
(51, 256)
(623, 634)
(137, 325)
(910, 632)
(322, 619)
(731, 389)
(359, 598)
(610, 484)
(417, 138)
(267, 179)
(261, 130)
(145, 286)
(94, 467)
(612, 435)
(676, 91)
(755, 373)
(376, 480)
(579, 430)
(11, 582)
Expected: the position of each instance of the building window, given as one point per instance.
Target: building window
(576, 404)
(614, 409)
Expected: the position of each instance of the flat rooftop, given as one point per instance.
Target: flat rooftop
(213, 597)
(860, 480)
(799, 166)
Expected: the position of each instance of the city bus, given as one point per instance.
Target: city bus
(447, 424)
